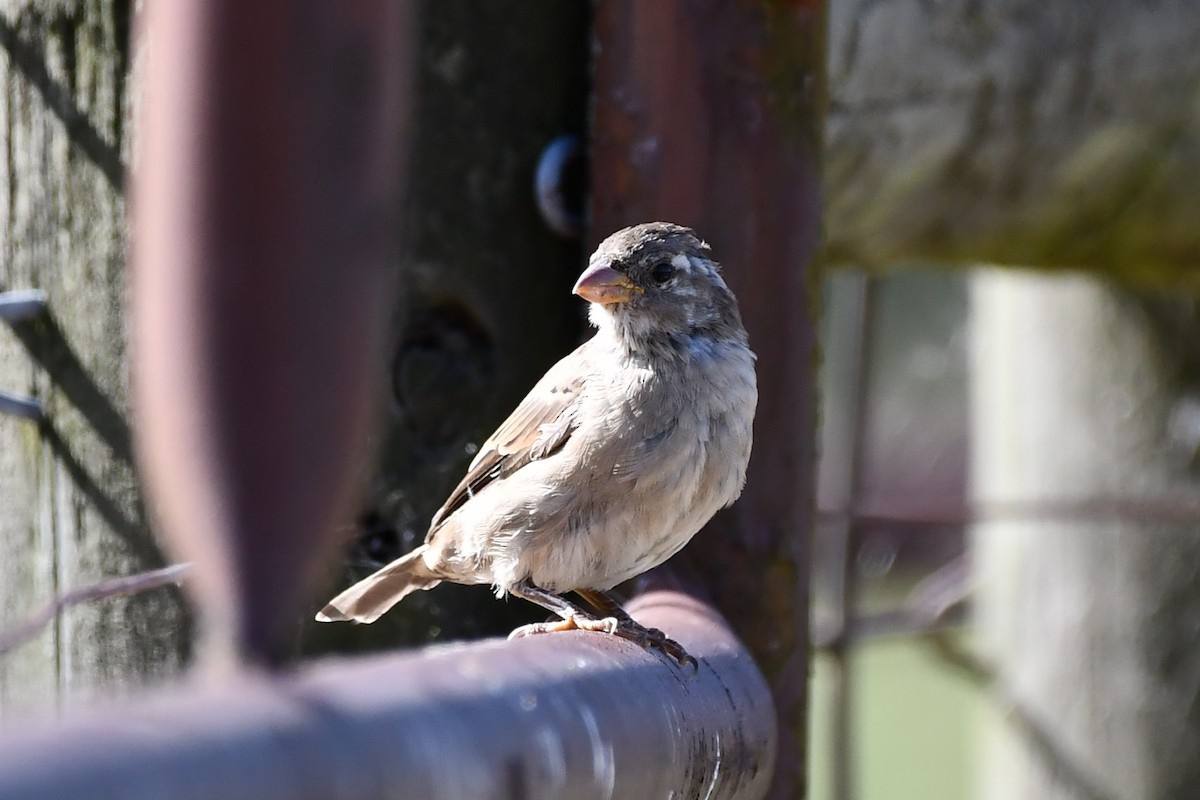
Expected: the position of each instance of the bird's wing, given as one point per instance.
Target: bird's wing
(539, 426)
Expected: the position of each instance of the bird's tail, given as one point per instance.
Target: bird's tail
(367, 600)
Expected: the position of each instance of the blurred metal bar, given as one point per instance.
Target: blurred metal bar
(267, 208)
(578, 715)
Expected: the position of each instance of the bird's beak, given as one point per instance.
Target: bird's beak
(602, 284)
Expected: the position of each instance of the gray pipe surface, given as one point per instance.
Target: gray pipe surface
(571, 715)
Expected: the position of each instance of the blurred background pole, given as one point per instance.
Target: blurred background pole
(1083, 397)
(710, 116)
(1053, 135)
(268, 195)
(71, 508)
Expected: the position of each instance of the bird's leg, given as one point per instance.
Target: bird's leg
(605, 603)
(573, 617)
(629, 628)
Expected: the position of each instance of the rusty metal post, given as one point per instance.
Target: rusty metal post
(267, 200)
(709, 115)
(578, 715)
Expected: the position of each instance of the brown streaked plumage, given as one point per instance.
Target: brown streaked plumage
(614, 460)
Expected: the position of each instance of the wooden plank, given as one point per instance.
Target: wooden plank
(1057, 134)
(72, 513)
(709, 115)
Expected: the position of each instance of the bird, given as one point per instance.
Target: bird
(615, 459)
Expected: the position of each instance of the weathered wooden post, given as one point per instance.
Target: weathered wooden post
(1087, 609)
(1046, 134)
(70, 508)
(1056, 135)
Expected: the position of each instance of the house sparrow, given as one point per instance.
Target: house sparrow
(614, 460)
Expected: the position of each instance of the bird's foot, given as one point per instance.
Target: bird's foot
(572, 623)
(654, 639)
(626, 628)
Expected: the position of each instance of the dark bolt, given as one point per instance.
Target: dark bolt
(24, 407)
(560, 185)
(22, 305)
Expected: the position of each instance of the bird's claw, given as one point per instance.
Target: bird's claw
(606, 625)
(648, 638)
(654, 639)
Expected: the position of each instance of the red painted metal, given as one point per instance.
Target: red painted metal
(709, 114)
(267, 199)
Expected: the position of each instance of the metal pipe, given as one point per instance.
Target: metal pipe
(579, 715)
(267, 211)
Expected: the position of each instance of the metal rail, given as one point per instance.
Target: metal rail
(578, 715)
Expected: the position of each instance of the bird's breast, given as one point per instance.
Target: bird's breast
(659, 450)
(686, 460)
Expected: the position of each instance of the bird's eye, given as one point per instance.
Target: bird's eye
(662, 272)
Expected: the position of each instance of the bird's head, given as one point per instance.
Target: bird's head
(657, 282)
